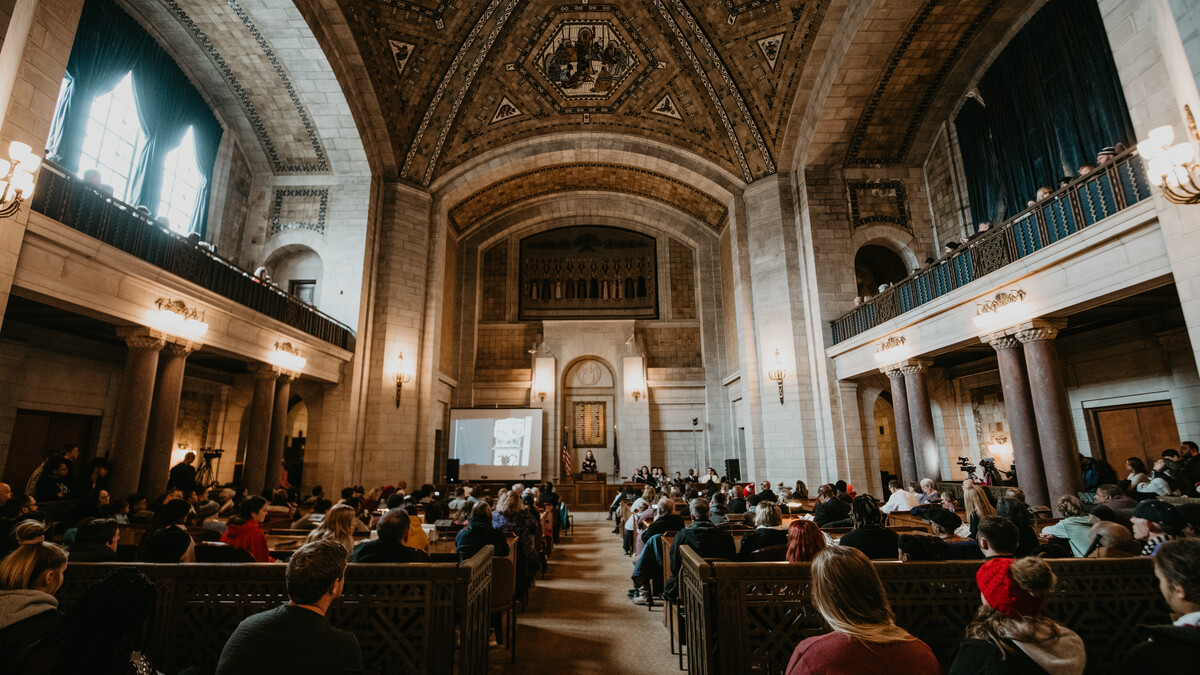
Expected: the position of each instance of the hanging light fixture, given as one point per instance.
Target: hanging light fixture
(17, 182)
(403, 375)
(778, 374)
(1171, 166)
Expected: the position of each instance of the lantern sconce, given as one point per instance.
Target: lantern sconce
(778, 374)
(289, 357)
(403, 375)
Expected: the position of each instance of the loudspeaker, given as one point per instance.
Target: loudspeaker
(451, 470)
(733, 470)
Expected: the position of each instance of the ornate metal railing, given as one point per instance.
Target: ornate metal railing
(1087, 200)
(77, 205)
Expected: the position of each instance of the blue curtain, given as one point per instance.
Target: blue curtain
(1052, 100)
(108, 44)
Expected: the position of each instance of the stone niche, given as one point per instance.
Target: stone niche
(588, 273)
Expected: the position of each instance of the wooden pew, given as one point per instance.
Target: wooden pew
(743, 617)
(416, 617)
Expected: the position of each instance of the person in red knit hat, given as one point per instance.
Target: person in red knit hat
(849, 595)
(1010, 635)
(243, 530)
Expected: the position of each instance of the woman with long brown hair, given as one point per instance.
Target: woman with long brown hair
(1010, 635)
(338, 526)
(804, 541)
(975, 500)
(849, 595)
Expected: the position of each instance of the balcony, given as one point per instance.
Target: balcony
(70, 201)
(1087, 200)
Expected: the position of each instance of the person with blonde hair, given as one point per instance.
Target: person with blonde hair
(977, 504)
(1010, 634)
(847, 592)
(29, 578)
(768, 521)
(804, 541)
(338, 526)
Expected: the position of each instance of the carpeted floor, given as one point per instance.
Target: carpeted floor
(579, 619)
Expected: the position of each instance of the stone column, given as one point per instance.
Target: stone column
(164, 412)
(258, 441)
(283, 392)
(132, 416)
(1022, 426)
(904, 435)
(1051, 408)
(920, 415)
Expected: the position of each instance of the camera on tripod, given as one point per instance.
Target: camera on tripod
(966, 466)
(211, 453)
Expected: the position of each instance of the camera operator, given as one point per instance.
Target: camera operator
(183, 475)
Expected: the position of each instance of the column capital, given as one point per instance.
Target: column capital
(913, 366)
(1000, 341)
(265, 371)
(892, 371)
(140, 337)
(180, 347)
(1039, 329)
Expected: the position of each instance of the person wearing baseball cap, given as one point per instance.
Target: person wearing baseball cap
(1154, 522)
(1010, 634)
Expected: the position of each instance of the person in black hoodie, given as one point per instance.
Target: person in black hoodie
(869, 535)
(738, 503)
(479, 533)
(1173, 648)
(96, 540)
(830, 511)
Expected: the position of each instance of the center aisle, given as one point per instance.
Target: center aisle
(579, 619)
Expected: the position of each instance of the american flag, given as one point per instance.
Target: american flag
(566, 460)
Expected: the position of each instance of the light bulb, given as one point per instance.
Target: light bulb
(1149, 149)
(1181, 154)
(1159, 166)
(5, 166)
(1163, 136)
(1157, 179)
(30, 163)
(18, 151)
(23, 181)
(1180, 175)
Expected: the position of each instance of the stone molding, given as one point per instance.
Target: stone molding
(265, 371)
(180, 347)
(1039, 329)
(1000, 341)
(913, 366)
(140, 337)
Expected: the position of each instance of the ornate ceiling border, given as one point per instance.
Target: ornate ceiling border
(279, 166)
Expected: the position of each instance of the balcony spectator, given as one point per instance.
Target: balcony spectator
(950, 247)
(92, 178)
(849, 595)
(1105, 155)
(1086, 169)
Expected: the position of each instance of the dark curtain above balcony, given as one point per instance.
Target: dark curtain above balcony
(108, 44)
(1051, 101)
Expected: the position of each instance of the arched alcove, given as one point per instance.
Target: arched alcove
(876, 265)
(589, 398)
(298, 270)
(885, 430)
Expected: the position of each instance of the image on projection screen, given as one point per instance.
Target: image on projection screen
(496, 444)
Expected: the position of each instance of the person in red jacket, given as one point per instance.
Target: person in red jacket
(849, 595)
(243, 530)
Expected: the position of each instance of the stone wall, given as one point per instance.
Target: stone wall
(683, 282)
(493, 277)
(671, 346)
(505, 346)
(946, 201)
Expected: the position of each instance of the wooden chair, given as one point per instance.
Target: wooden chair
(218, 552)
(773, 553)
(504, 594)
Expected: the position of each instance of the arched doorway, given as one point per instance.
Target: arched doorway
(295, 438)
(588, 411)
(876, 265)
(885, 435)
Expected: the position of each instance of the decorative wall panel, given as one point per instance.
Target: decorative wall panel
(588, 273)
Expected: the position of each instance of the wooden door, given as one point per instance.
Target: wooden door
(35, 433)
(1143, 430)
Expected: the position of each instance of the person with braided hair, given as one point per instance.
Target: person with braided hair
(869, 535)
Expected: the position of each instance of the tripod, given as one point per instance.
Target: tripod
(206, 474)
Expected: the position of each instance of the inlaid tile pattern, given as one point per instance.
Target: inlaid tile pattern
(299, 209)
(877, 201)
(478, 207)
(241, 53)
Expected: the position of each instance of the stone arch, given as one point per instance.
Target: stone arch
(875, 265)
(297, 263)
(887, 448)
(899, 241)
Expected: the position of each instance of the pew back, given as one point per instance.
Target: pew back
(404, 615)
(763, 610)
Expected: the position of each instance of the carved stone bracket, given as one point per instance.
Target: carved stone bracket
(1039, 329)
(140, 337)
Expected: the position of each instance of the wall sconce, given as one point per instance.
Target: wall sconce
(636, 394)
(1171, 167)
(543, 377)
(403, 375)
(1005, 309)
(778, 374)
(288, 357)
(17, 183)
(892, 350)
(176, 318)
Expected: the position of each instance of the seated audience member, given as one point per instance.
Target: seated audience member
(1017, 513)
(318, 492)
(320, 507)
(1137, 473)
(921, 548)
(460, 499)
(337, 525)
(767, 522)
(244, 532)
(978, 503)
(948, 501)
(102, 633)
(1015, 493)
(53, 483)
(701, 536)
(1162, 481)
(998, 538)
(168, 540)
(766, 494)
(847, 592)
(1112, 540)
(138, 511)
(830, 511)
(96, 540)
(737, 504)
(29, 578)
(665, 521)
(719, 508)
(393, 530)
(901, 500)
(1173, 649)
(1075, 527)
(170, 495)
(1010, 634)
(929, 493)
(869, 535)
(804, 541)
(93, 478)
(843, 491)
(946, 525)
(479, 533)
(296, 637)
(1191, 519)
(1115, 499)
(1155, 522)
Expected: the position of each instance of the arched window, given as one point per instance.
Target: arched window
(181, 185)
(114, 138)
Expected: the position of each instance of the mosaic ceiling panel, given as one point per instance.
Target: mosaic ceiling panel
(716, 77)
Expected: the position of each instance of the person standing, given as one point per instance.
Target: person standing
(183, 475)
(296, 637)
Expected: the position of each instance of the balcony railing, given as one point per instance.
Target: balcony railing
(75, 204)
(1087, 200)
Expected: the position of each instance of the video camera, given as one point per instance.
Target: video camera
(964, 463)
(212, 453)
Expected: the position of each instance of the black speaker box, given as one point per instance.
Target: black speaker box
(451, 470)
(733, 470)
